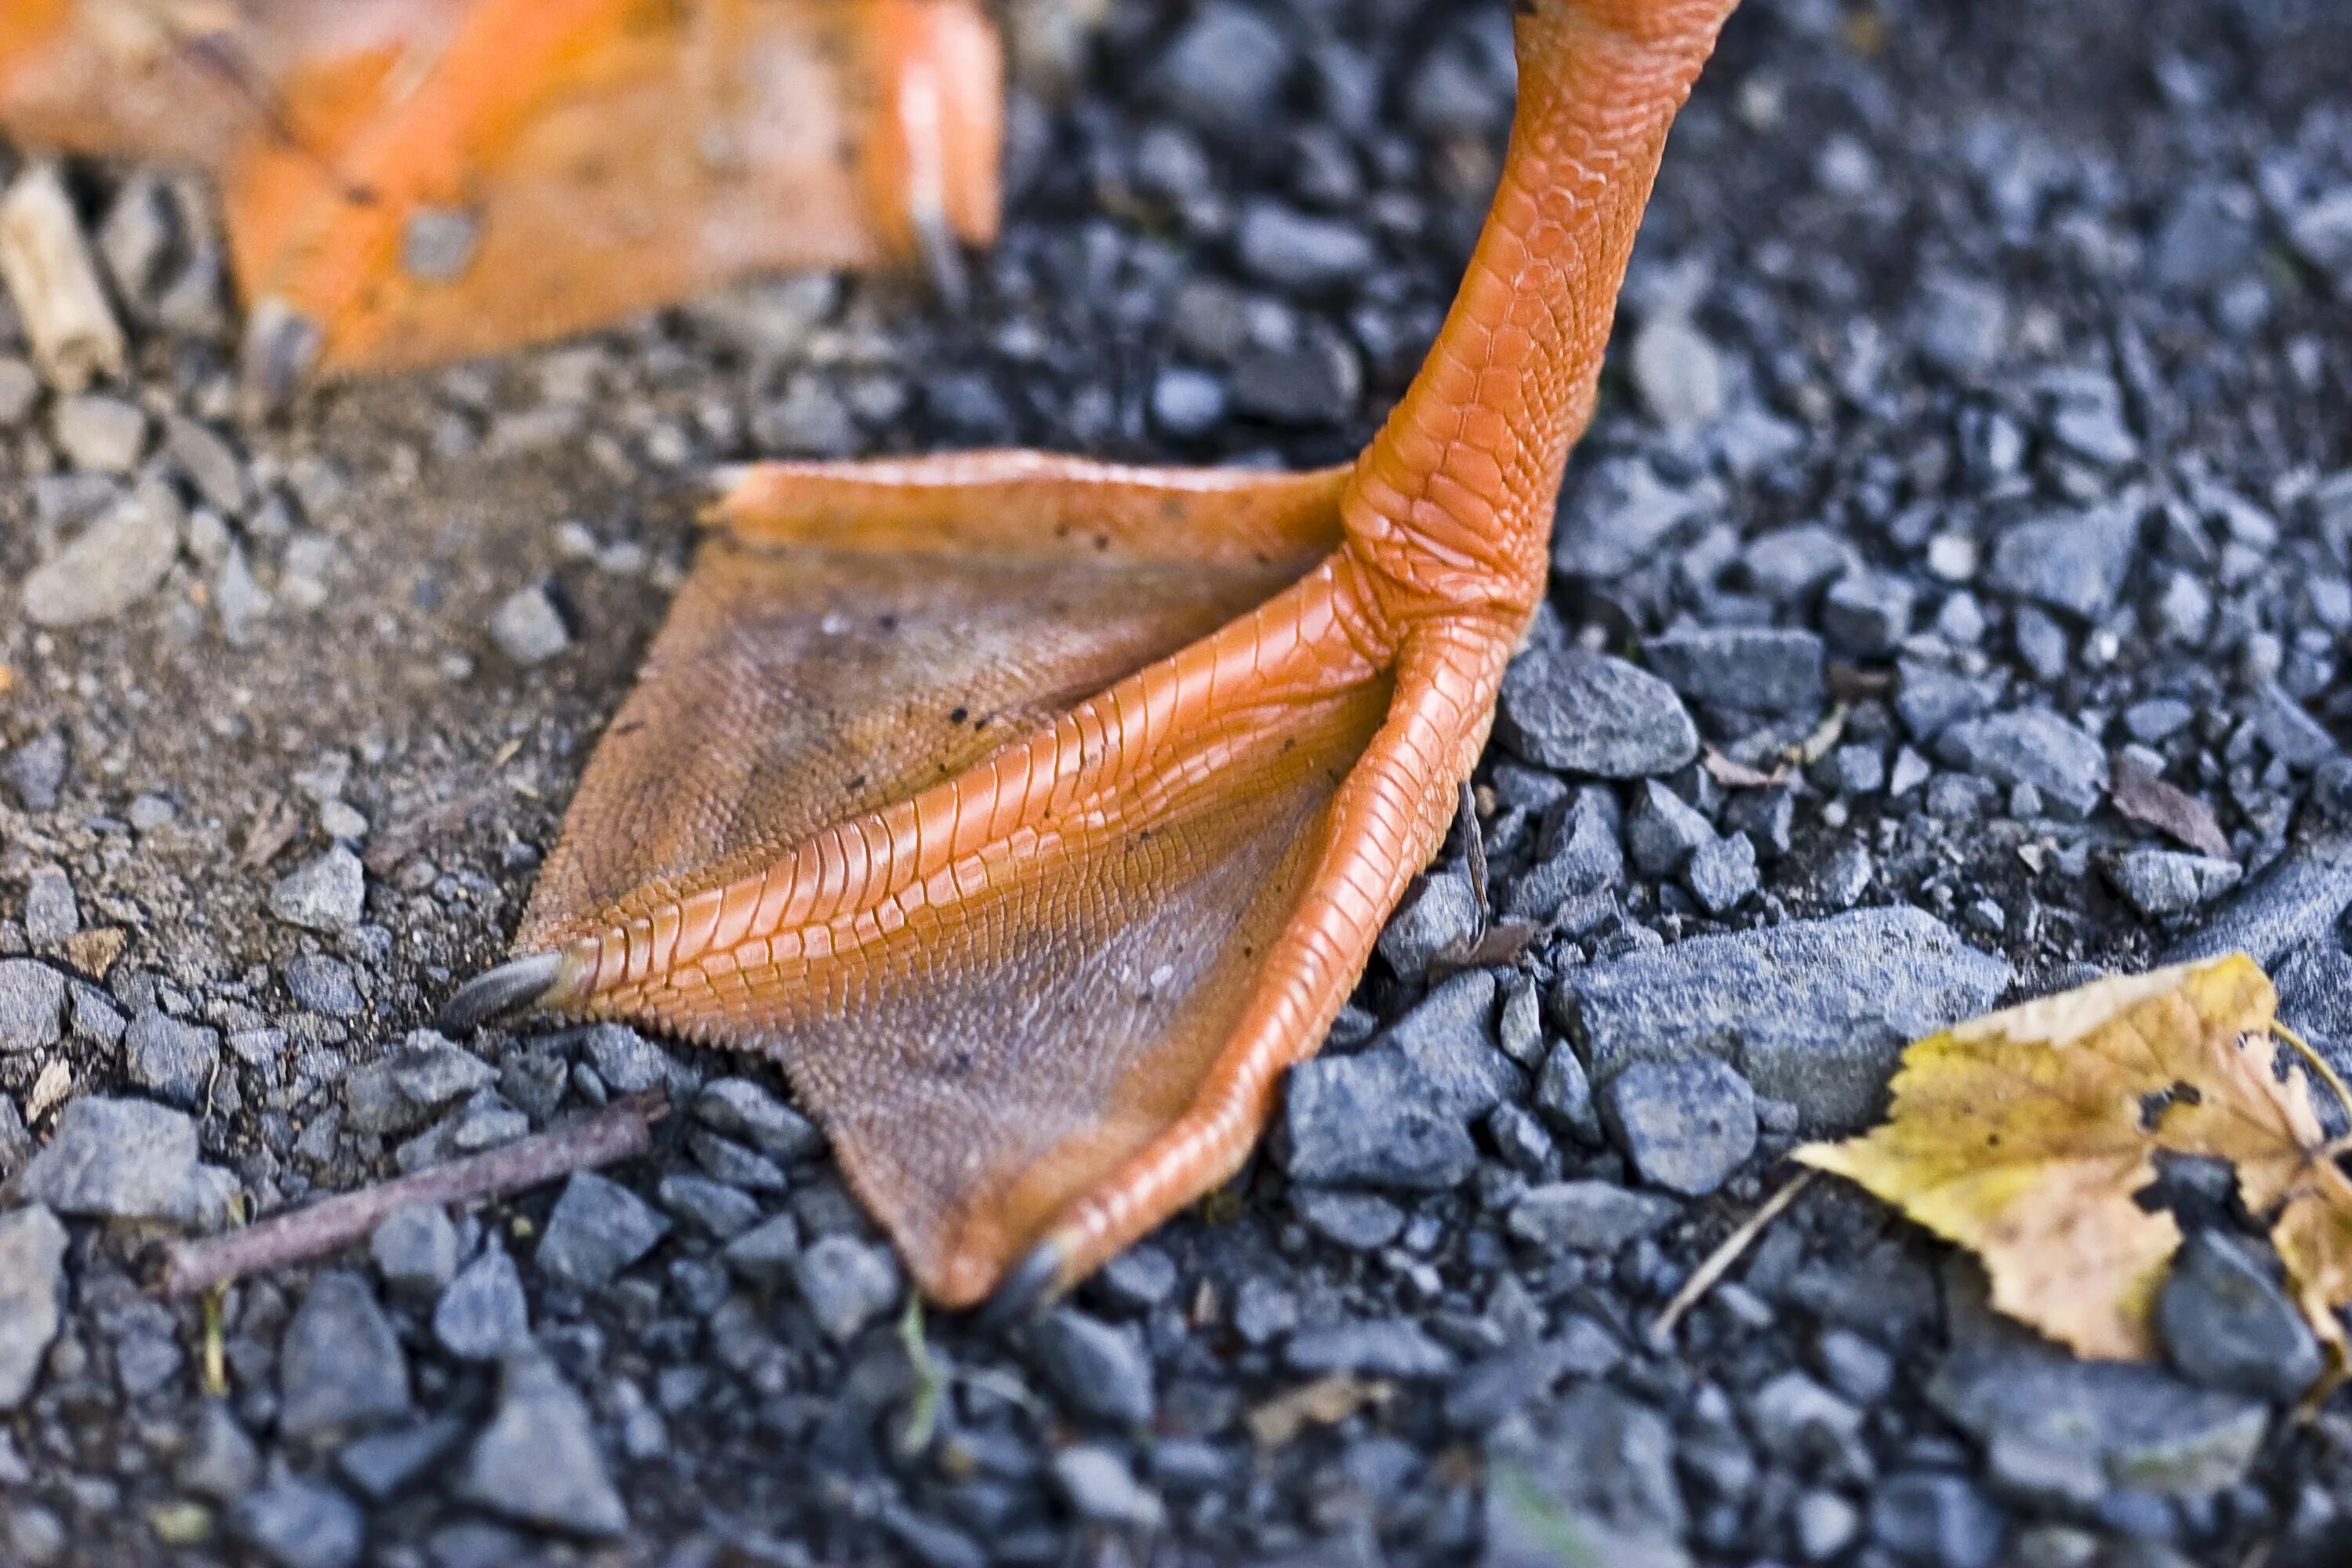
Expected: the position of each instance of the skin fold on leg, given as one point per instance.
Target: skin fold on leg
(422, 180)
(1037, 814)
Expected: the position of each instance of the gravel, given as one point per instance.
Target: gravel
(1100, 1371)
(301, 1523)
(32, 1005)
(1816, 1012)
(1589, 1216)
(110, 565)
(2227, 1324)
(121, 1159)
(537, 1462)
(342, 1365)
(598, 1227)
(327, 894)
(1685, 1126)
(1743, 669)
(1372, 1119)
(846, 1284)
(32, 1295)
(1588, 713)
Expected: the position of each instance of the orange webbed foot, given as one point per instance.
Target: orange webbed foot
(1036, 814)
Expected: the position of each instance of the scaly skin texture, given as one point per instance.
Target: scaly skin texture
(1020, 809)
(584, 159)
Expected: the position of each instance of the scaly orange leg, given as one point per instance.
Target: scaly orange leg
(1037, 814)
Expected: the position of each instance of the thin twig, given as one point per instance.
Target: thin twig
(2318, 1064)
(1719, 1261)
(622, 1131)
(1473, 852)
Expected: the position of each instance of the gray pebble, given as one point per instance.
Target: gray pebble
(1589, 713)
(1101, 1372)
(2034, 747)
(626, 1060)
(1361, 1222)
(99, 432)
(765, 1254)
(1100, 1487)
(2162, 882)
(327, 894)
(1564, 1096)
(172, 1060)
(1686, 1126)
(1811, 1011)
(35, 770)
(415, 1249)
(847, 1283)
(32, 1005)
(1722, 873)
(1938, 1519)
(1449, 1039)
(2227, 1324)
(324, 984)
(2076, 564)
(32, 1296)
(1389, 1347)
(741, 1108)
(529, 628)
(1442, 915)
(120, 1159)
(537, 1462)
(1752, 669)
(1302, 254)
(1588, 1216)
(712, 1207)
(596, 1230)
(1372, 1119)
(482, 1313)
(51, 911)
(342, 1364)
(110, 565)
(300, 1523)
(1662, 831)
(1223, 70)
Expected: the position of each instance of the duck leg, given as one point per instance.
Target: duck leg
(1036, 815)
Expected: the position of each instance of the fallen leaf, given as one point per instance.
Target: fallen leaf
(94, 951)
(1326, 1402)
(2026, 1134)
(2142, 795)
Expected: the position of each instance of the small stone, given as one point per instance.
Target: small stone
(1448, 1039)
(597, 1228)
(32, 1005)
(2076, 564)
(765, 1254)
(1100, 1488)
(1750, 669)
(1686, 1126)
(1584, 712)
(741, 1108)
(483, 1314)
(222, 1461)
(1564, 1096)
(1372, 1119)
(1788, 564)
(1617, 516)
(1588, 1216)
(1867, 613)
(298, 1523)
(32, 1296)
(324, 985)
(415, 1249)
(1600, 1459)
(537, 1462)
(1677, 372)
(1101, 1372)
(2229, 1325)
(2298, 898)
(846, 1284)
(1826, 1525)
(98, 432)
(528, 628)
(1302, 254)
(110, 565)
(51, 911)
(385, 1464)
(328, 894)
(1722, 874)
(2162, 883)
(35, 770)
(1315, 382)
(341, 1363)
(1662, 831)
(1938, 1519)
(1583, 854)
(2291, 734)
(1961, 324)
(1816, 1012)
(1362, 1222)
(2034, 747)
(172, 1060)
(1188, 403)
(208, 459)
(1442, 916)
(626, 1060)
(1392, 1347)
(712, 1207)
(120, 1159)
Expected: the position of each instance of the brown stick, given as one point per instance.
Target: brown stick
(1719, 1261)
(622, 1131)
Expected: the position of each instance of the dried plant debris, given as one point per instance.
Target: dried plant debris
(2028, 1134)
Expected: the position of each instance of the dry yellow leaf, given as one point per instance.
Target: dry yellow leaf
(2025, 1135)
(1326, 1402)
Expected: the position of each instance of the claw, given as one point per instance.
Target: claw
(513, 986)
(1034, 1284)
